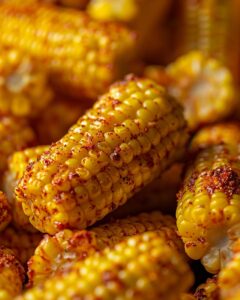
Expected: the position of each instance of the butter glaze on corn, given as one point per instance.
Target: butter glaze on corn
(141, 267)
(126, 140)
(83, 56)
(208, 211)
(57, 254)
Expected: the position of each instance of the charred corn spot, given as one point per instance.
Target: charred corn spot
(22, 84)
(73, 164)
(5, 211)
(58, 254)
(17, 165)
(143, 267)
(222, 133)
(204, 86)
(22, 243)
(208, 290)
(93, 55)
(11, 274)
(208, 212)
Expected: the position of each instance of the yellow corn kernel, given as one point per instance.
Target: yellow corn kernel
(5, 211)
(57, 254)
(143, 267)
(80, 54)
(208, 290)
(208, 212)
(42, 206)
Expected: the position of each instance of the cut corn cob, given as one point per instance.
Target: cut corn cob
(124, 142)
(222, 133)
(24, 89)
(22, 243)
(82, 55)
(57, 254)
(141, 267)
(208, 290)
(11, 274)
(17, 165)
(208, 212)
(5, 211)
(15, 135)
(204, 86)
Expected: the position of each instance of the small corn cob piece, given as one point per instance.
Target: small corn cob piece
(208, 205)
(17, 165)
(11, 274)
(5, 211)
(208, 290)
(22, 243)
(24, 89)
(141, 267)
(222, 133)
(81, 55)
(204, 86)
(15, 135)
(124, 142)
(57, 254)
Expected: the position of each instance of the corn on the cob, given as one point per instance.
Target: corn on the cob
(24, 89)
(15, 135)
(208, 290)
(141, 267)
(222, 133)
(11, 274)
(57, 254)
(22, 243)
(129, 137)
(5, 211)
(17, 165)
(208, 205)
(204, 86)
(81, 54)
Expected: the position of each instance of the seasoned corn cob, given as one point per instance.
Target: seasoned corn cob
(57, 254)
(141, 267)
(22, 243)
(208, 205)
(81, 54)
(204, 86)
(208, 290)
(222, 133)
(11, 274)
(15, 135)
(124, 142)
(5, 211)
(24, 89)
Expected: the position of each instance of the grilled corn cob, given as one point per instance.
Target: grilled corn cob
(222, 133)
(22, 243)
(57, 254)
(17, 164)
(15, 135)
(11, 274)
(125, 141)
(82, 55)
(208, 290)
(5, 211)
(204, 86)
(208, 205)
(24, 89)
(141, 267)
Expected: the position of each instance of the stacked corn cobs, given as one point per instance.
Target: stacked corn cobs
(119, 179)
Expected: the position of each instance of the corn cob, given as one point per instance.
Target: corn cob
(208, 205)
(204, 86)
(11, 274)
(222, 133)
(208, 290)
(124, 142)
(81, 55)
(15, 135)
(57, 254)
(5, 211)
(141, 267)
(22, 84)
(22, 243)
